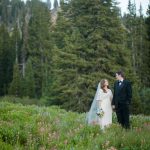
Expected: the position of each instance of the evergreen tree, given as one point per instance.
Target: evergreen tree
(25, 44)
(136, 34)
(131, 26)
(49, 4)
(16, 84)
(142, 47)
(4, 11)
(64, 58)
(6, 60)
(147, 52)
(55, 4)
(29, 83)
(39, 44)
(137, 43)
(17, 10)
(91, 48)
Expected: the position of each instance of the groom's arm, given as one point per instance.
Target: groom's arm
(113, 100)
(129, 92)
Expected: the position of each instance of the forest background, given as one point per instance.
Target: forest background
(58, 56)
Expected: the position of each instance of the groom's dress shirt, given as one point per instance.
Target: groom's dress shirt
(120, 82)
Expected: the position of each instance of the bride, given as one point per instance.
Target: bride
(102, 101)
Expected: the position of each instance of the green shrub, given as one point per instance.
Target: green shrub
(23, 100)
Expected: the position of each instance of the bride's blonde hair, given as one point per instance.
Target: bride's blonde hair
(102, 83)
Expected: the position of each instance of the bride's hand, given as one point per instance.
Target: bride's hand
(113, 106)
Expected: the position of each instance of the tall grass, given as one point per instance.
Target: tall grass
(52, 128)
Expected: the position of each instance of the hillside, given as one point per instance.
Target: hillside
(51, 128)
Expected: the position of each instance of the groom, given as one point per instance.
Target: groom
(122, 99)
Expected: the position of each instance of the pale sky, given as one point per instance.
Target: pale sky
(124, 4)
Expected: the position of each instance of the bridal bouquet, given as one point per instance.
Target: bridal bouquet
(100, 112)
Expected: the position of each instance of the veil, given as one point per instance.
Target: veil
(92, 117)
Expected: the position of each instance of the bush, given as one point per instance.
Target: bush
(24, 100)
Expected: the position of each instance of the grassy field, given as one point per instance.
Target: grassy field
(51, 128)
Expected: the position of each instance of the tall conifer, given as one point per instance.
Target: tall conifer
(90, 49)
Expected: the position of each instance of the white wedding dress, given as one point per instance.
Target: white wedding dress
(104, 102)
(103, 99)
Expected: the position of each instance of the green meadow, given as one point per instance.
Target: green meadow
(33, 127)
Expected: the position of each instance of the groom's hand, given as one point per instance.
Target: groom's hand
(113, 107)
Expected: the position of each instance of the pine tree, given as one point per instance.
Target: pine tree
(39, 44)
(17, 10)
(136, 42)
(4, 11)
(16, 84)
(131, 26)
(141, 46)
(147, 52)
(25, 44)
(49, 4)
(6, 60)
(29, 83)
(91, 48)
(55, 4)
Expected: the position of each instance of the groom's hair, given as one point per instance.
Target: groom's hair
(120, 72)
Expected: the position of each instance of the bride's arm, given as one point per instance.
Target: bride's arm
(111, 99)
(99, 103)
(111, 96)
(99, 99)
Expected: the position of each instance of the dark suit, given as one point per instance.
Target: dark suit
(121, 99)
